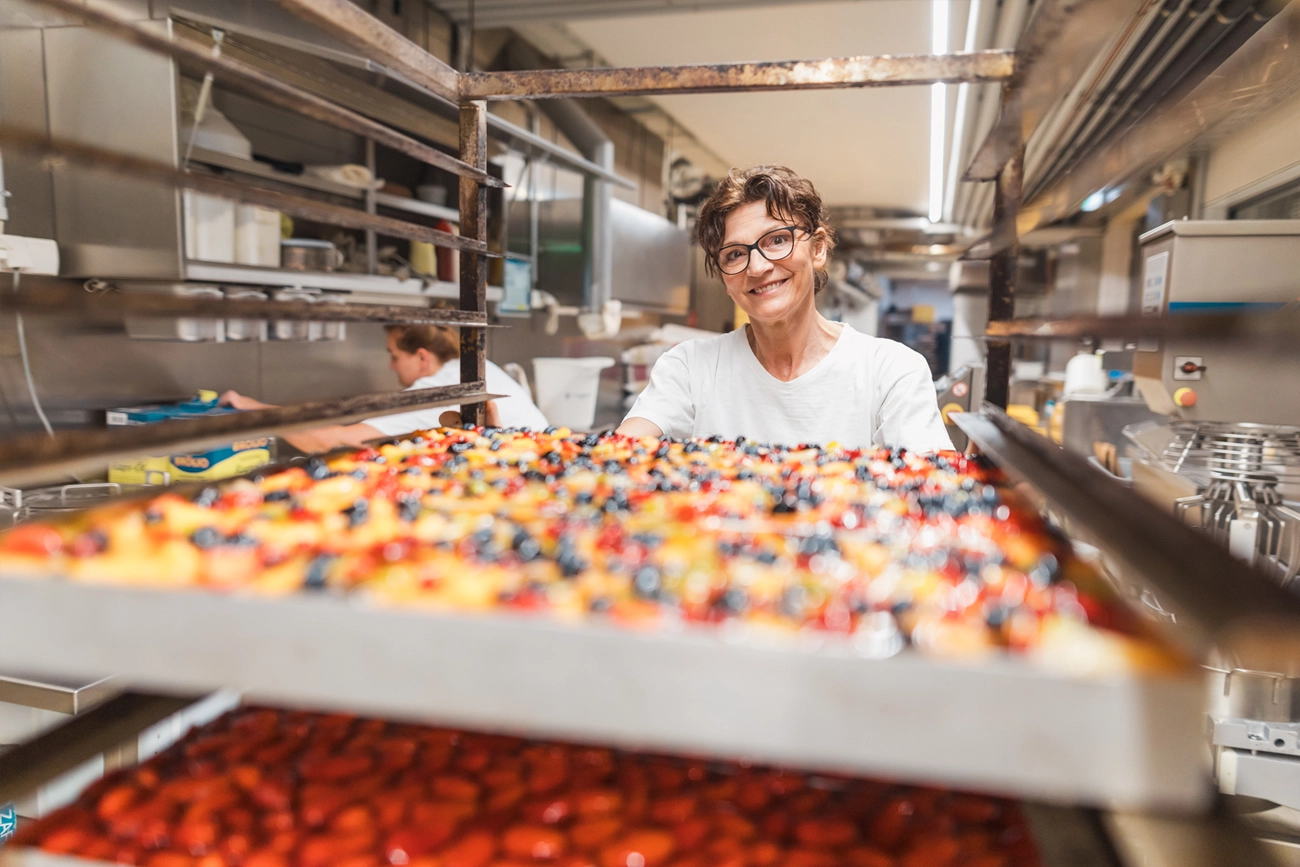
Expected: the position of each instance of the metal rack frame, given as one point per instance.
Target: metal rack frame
(381, 44)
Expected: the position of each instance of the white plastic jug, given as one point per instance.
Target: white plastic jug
(1084, 375)
(566, 389)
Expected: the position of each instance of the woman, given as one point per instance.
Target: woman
(791, 375)
(421, 356)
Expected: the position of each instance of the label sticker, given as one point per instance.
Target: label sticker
(1155, 273)
(8, 821)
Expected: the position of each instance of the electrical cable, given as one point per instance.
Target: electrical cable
(27, 367)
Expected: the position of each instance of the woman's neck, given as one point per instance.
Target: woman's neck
(790, 348)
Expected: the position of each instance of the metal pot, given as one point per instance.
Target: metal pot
(308, 254)
(1254, 695)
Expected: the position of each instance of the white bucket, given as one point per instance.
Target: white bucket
(566, 389)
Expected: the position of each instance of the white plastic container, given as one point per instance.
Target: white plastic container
(257, 236)
(294, 329)
(567, 387)
(1084, 375)
(186, 329)
(246, 329)
(209, 228)
(332, 329)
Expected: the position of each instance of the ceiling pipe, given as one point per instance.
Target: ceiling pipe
(597, 195)
(978, 202)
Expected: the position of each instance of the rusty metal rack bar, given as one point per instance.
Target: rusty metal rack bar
(57, 299)
(1271, 332)
(840, 72)
(253, 82)
(37, 456)
(350, 24)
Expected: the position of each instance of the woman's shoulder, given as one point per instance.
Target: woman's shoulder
(699, 349)
(881, 349)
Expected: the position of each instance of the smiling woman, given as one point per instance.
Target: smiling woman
(790, 375)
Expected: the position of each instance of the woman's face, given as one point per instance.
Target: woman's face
(410, 366)
(770, 292)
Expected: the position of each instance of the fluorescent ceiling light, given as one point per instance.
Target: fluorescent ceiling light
(938, 110)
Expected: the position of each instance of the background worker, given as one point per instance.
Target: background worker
(421, 356)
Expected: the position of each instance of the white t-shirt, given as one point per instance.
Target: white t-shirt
(516, 409)
(867, 391)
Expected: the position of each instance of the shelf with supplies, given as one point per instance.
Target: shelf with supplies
(247, 275)
(260, 169)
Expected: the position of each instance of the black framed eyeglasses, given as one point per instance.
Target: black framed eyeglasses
(773, 246)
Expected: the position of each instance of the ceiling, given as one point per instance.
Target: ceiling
(860, 147)
(507, 13)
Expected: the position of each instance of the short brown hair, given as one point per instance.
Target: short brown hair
(788, 197)
(440, 341)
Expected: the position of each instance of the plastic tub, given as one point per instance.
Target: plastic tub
(566, 389)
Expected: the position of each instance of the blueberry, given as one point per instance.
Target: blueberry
(359, 474)
(358, 513)
(766, 557)
(601, 604)
(527, 548)
(662, 452)
(571, 565)
(457, 448)
(277, 496)
(613, 467)
(591, 439)
(646, 582)
(206, 537)
(409, 509)
(793, 601)
(152, 516)
(734, 601)
(318, 469)
(207, 497)
(317, 572)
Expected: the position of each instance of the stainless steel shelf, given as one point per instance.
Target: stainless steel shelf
(222, 273)
(61, 695)
(62, 299)
(416, 206)
(999, 725)
(311, 182)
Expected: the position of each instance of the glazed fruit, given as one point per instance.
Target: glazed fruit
(269, 788)
(878, 547)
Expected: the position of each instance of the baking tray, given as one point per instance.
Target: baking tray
(1001, 726)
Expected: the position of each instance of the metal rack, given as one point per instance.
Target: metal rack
(908, 731)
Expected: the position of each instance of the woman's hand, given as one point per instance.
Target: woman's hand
(451, 418)
(639, 427)
(238, 401)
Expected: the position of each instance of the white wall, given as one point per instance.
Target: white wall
(1253, 160)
